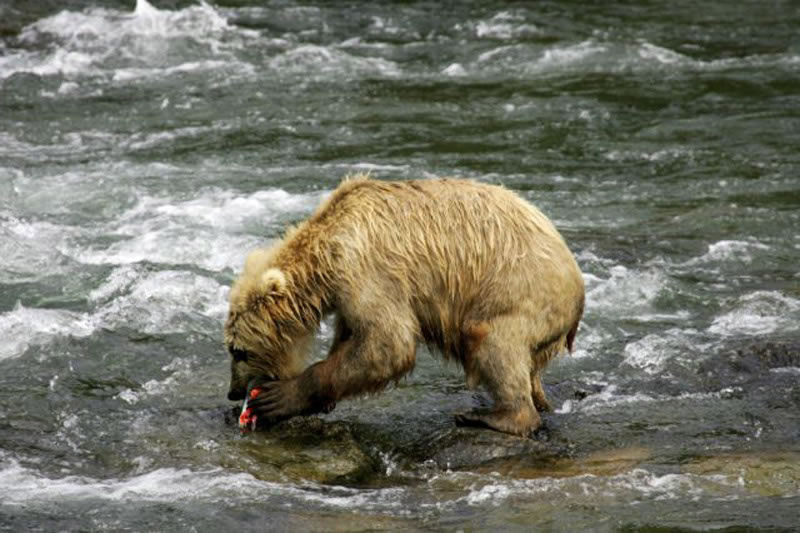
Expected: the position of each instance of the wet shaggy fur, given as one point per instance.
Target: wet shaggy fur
(468, 268)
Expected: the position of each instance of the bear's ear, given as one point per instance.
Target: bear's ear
(273, 282)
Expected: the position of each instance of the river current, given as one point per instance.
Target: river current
(146, 147)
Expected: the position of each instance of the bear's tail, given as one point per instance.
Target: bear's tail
(543, 352)
(574, 329)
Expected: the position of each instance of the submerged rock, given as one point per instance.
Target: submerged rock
(342, 453)
(459, 448)
(307, 449)
(601, 463)
(764, 364)
(338, 452)
(764, 474)
(742, 363)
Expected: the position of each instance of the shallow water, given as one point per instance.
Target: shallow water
(145, 148)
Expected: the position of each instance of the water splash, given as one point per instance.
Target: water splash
(759, 313)
(105, 42)
(23, 327)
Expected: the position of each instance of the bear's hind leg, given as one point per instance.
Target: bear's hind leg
(502, 365)
(538, 395)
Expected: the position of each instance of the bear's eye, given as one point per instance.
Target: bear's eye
(239, 355)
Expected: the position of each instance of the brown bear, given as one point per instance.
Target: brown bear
(470, 269)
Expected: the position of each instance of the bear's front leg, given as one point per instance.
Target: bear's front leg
(364, 362)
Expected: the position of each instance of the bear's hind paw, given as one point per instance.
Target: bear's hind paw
(522, 422)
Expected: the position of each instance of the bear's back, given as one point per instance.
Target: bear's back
(447, 235)
(466, 214)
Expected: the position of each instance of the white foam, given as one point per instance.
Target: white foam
(68, 431)
(591, 55)
(208, 230)
(181, 374)
(759, 313)
(758, 60)
(99, 41)
(365, 167)
(609, 398)
(504, 26)
(106, 25)
(203, 66)
(61, 146)
(651, 52)
(526, 59)
(454, 70)
(628, 293)
(167, 301)
(494, 493)
(567, 407)
(665, 154)
(568, 55)
(729, 251)
(635, 485)
(786, 370)
(156, 303)
(649, 353)
(587, 256)
(652, 352)
(386, 28)
(60, 61)
(647, 56)
(344, 498)
(118, 281)
(144, 141)
(23, 326)
(172, 245)
(67, 87)
(228, 210)
(324, 62)
(496, 55)
(161, 302)
(21, 486)
(28, 250)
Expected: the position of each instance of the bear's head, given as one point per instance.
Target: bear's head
(263, 333)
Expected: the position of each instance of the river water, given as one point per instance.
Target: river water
(144, 148)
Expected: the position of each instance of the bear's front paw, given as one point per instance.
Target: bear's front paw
(278, 400)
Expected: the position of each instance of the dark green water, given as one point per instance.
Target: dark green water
(145, 148)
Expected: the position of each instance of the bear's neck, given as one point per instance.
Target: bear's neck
(310, 281)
